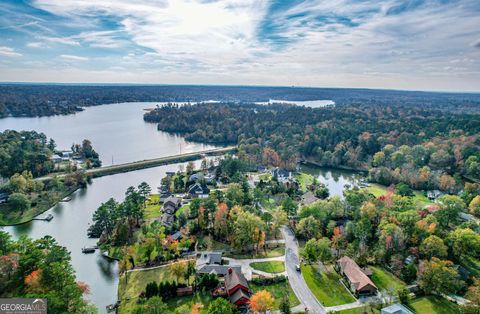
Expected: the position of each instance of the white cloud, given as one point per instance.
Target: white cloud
(333, 43)
(9, 52)
(73, 58)
(35, 45)
(62, 40)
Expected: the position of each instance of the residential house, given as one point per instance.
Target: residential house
(356, 277)
(433, 195)
(308, 198)
(3, 197)
(170, 206)
(66, 153)
(211, 263)
(281, 174)
(237, 287)
(198, 190)
(396, 308)
(56, 159)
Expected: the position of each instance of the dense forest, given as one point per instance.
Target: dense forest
(422, 146)
(46, 100)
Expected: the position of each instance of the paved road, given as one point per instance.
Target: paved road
(299, 286)
(142, 164)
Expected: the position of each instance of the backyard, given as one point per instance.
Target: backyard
(434, 305)
(133, 283)
(326, 285)
(385, 280)
(278, 290)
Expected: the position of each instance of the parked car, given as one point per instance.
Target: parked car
(297, 267)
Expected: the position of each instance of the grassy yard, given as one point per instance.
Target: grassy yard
(434, 305)
(271, 252)
(326, 286)
(278, 291)
(385, 280)
(376, 189)
(206, 243)
(471, 264)
(202, 297)
(360, 310)
(152, 210)
(418, 197)
(131, 285)
(184, 209)
(269, 267)
(40, 203)
(304, 179)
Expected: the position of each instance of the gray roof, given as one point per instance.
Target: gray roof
(208, 258)
(221, 270)
(309, 198)
(396, 308)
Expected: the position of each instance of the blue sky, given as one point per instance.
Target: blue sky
(416, 44)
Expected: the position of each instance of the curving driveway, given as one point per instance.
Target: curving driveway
(298, 284)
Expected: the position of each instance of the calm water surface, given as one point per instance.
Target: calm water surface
(117, 131)
(334, 179)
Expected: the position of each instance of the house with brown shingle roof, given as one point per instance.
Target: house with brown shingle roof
(237, 287)
(357, 278)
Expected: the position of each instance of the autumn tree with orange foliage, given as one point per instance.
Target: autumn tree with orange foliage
(261, 301)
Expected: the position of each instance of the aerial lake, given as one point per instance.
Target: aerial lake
(116, 130)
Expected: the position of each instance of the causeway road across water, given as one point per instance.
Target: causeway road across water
(148, 163)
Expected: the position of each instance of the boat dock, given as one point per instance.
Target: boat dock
(46, 218)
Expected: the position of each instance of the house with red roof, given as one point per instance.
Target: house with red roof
(237, 287)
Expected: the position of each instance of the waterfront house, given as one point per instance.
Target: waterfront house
(356, 277)
(281, 174)
(3, 197)
(170, 206)
(308, 198)
(433, 195)
(198, 190)
(56, 158)
(237, 287)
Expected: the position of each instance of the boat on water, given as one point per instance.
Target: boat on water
(66, 199)
(49, 217)
(88, 249)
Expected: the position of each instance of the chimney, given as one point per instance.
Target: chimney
(230, 270)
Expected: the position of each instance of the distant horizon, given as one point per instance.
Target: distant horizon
(421, 45)
(241, 85)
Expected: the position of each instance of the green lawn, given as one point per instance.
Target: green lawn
(304, 179)
(326, 286)
(202, 297)
(269, 267)
(278, 291)
(152, 210)
(184, 209)
(41, 202)
(471, 264)
(360, 310)
(206, 243)
(376, 189)
(133, 283)
(271, 252)
(385, 280)
(434, 305)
